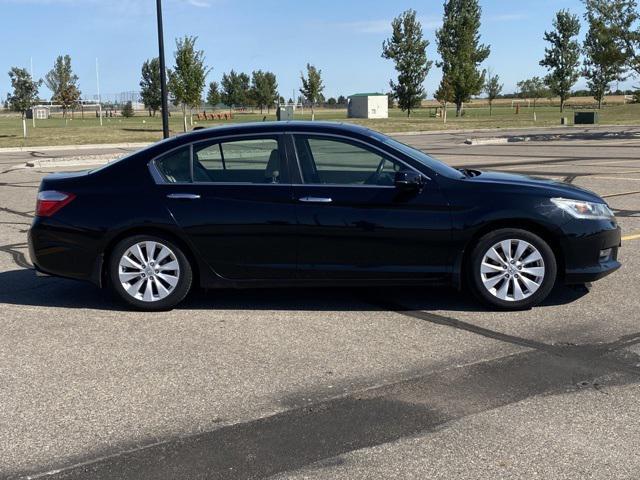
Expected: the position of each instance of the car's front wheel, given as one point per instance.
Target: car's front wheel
(150, 272)
(512, 269)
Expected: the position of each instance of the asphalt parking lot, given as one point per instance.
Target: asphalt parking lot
(330, 383)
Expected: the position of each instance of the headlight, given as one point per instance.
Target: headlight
(585, 210)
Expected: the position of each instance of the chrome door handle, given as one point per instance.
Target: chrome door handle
(315, 199)
(184, 196)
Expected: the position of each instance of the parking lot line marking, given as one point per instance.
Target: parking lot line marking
(634, 236)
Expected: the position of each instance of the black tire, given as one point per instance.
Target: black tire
(178, 292)
(484, 244)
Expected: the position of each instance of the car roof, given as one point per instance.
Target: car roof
(284, 126)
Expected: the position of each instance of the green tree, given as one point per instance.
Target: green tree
(621, 20)
(408, 49)
(533, 88)
(342, 100)
(562, 56)
(213, 95)
(24, 95)
(312, 87)
(235, 89)
(492, 88)
(187, 79)
(63, 84)
(150, 91)
(605, 57)
(332, 101)
(127, 110)
(444, 95)
(264, 89)
(461, 52)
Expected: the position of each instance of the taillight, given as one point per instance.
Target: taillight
(50, 201)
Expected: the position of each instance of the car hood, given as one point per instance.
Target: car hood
(544, 186)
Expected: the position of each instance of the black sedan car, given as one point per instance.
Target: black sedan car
(301, 204)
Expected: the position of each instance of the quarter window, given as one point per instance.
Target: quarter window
(244, 161)
(338, 162)
(175, 166)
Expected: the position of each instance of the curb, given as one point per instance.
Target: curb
(496, 140)
(509, 129)
(97, 146)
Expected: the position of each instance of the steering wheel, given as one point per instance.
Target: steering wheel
(380, 177)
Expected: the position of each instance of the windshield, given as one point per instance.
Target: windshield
(436, 165)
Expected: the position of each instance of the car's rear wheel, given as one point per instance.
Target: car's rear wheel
(512, 269)
(150, 272)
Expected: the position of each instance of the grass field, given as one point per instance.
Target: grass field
(56, 131)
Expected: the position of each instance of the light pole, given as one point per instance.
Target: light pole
(163, 74)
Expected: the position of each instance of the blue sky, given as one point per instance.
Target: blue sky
(342, 38)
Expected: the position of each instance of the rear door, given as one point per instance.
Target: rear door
(233, 199)
(355, 224)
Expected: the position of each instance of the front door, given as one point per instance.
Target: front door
(355, 224)
(233, 200)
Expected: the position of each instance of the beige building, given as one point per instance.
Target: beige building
(368, 105)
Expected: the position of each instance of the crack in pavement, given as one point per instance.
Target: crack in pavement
(621, 194)
(15, 212)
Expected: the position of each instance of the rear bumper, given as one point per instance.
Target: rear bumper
(57, 251)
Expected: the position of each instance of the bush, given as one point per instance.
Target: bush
(127, 110)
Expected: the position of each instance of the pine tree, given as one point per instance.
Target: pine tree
(213, 95)
(461, 52)
(408, 49)
(127, 110)
(264, 88)
(312, 87)
(562, 57)
(235, 89)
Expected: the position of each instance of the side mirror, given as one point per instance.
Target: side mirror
(408, 180)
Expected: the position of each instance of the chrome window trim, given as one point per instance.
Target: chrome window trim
(160, 180)
(356, 140)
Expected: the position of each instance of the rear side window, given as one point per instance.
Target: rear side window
(175, 166)
(238, 161)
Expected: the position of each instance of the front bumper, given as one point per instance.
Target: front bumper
(582, 252)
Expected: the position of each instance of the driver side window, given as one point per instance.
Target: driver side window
(336, 162)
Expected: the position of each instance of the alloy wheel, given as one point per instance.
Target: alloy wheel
(512, 270)
(149, 271)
